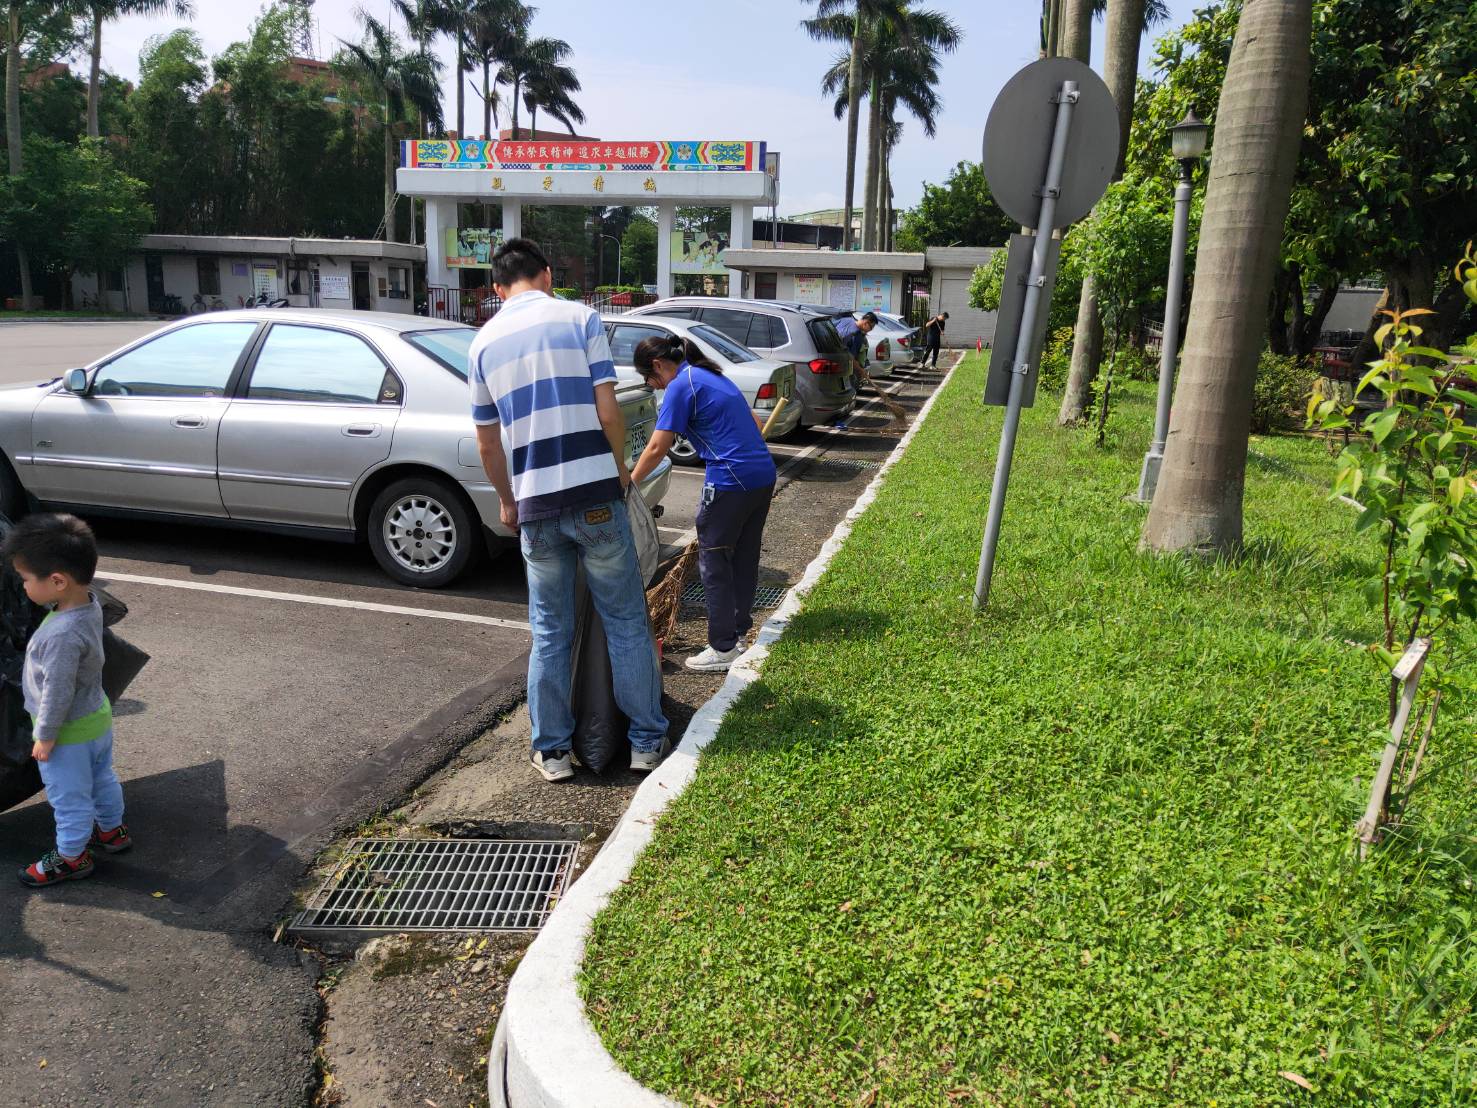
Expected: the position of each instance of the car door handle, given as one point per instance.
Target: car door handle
(188, 421)
(362, 430)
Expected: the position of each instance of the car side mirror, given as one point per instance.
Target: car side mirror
(75, 382)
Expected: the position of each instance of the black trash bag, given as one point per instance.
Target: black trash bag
(600, 727)
(122, 662)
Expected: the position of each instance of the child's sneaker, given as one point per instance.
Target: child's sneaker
(115, 841)
(53, 868)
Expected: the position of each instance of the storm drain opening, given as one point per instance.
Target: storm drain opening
(765, 596)
(384, 885)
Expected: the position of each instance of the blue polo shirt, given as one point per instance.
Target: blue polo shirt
(709, 411)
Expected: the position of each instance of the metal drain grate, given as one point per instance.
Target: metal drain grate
(857, 464)
(440, 885)
(765, 596)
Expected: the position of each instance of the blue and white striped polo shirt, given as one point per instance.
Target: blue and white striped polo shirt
(534, 368)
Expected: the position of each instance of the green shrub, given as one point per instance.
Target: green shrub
(568, 294)
(1283, 386)
(602, 289)
(1137, 364)
(1056, 360)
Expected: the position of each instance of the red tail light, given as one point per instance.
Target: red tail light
(766, 392)
(883, 349)
(825, 365)
(903, 343)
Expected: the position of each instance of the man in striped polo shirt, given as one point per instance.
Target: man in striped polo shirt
(553, 440)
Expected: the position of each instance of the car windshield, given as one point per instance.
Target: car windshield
(724, 345)
(447, 345)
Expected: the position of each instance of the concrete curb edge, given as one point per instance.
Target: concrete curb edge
(545, 1052)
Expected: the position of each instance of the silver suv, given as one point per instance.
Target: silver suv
(824, 382)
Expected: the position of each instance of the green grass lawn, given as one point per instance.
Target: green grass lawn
(1090, 848)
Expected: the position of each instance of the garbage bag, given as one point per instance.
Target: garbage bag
(644, 534)
(600, 727)
(122, 662)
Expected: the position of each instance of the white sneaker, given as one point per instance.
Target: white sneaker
(644, 761)
(715, 661)
(555, 765)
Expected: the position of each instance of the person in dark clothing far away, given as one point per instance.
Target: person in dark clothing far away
(854, 333)
(709, 411)
(933, 336)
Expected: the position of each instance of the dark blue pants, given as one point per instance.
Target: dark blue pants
(730, 529)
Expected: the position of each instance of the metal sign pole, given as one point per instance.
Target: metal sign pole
(1066, 98)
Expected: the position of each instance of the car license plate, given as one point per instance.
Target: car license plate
(636, 439)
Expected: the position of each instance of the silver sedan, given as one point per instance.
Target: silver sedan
(333, 424)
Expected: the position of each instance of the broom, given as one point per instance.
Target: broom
(664, 599)
(899, 422)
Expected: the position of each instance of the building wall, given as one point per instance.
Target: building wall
(785, 285)
(950, 293)
(238, 281)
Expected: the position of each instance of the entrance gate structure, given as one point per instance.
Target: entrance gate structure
(582, 172)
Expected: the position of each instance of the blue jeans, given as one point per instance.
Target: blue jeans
(599, 536)
(82, 789)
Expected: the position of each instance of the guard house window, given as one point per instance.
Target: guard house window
(299, 280)
(766, 286)
(113, 280)
(209, 272)
(399, 283)
(384, 288)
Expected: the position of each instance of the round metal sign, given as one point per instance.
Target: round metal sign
(1018, 141)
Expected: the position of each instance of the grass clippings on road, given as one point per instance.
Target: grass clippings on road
(1091, 848)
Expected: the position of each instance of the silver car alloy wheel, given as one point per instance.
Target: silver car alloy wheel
(683, 451)
(420, 533)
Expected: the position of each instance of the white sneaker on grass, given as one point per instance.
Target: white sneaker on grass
(555, 765)
(644, 761)
(715, 661)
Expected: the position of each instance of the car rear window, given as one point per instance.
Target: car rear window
(446, 345)
(827, 339)
(725, 345)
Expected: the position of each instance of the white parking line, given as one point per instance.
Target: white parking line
(304, 598)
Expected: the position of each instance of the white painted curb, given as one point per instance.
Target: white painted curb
(545, 1052)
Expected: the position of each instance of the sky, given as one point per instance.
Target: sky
(710, 69)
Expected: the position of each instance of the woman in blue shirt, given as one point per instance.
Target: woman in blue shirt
(709, 411)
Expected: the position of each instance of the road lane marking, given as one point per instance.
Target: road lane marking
(305, 598)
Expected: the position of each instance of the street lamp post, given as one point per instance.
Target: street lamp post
(1188, 142)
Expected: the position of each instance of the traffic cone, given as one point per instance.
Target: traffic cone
(979, 346)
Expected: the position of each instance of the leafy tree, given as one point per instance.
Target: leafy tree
(539, 62)
(72, 207)
(960, 212)
(638, 248)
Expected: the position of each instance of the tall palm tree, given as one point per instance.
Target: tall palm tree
(552, 89)
(829, 25)
(1126, 20)
(871, 57)
(16, 13)
(498, 26)
(453, 18)
(1259, 122)
(98, 12)
(403, 80)
(539, 61)
(897, 69)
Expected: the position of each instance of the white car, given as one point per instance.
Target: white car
(762, 380)
(900, 339)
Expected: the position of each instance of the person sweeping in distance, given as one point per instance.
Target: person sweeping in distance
(709, 411)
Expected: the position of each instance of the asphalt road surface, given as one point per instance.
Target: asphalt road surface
(294, 690)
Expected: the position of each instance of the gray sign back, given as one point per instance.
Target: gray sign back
(1008, 320)
(1018, 141)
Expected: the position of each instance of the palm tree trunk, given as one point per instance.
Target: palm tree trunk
(487, 100)
(1076, 34)
(1125, 25)
(461, 86)
(874, 142)
(94, 76)
(533, 118)
(853, 107)
(517, 95)
(390, 160)
(1197, 506)
(13, 127)
(1087, 335)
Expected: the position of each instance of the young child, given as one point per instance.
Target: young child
(72, 721)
